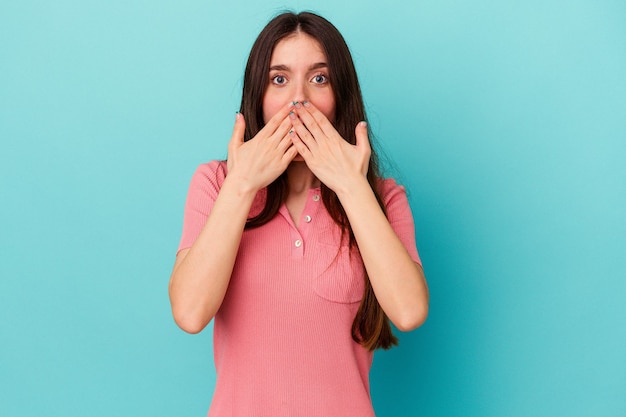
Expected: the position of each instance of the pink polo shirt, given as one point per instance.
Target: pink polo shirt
(282, 336)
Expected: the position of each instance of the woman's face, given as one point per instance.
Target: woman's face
(298, 72)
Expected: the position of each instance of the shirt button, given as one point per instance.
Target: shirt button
(298, 243)
(307, 219)
(316, 197)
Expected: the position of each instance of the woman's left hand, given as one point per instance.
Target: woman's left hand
(334, 161)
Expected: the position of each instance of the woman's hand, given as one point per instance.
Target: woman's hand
(334, 161)
(259, 161)
(398, 282)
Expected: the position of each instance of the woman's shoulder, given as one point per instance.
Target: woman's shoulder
(213, 171)
(209, 177)
(390, 189)
(215, 167)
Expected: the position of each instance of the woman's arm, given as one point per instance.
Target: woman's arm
(202, 272)
(397, 281)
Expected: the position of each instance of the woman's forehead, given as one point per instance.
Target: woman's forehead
(297, 47)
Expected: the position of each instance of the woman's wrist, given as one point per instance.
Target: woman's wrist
(353, 188)
(239, 187)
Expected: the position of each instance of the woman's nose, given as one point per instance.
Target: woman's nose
(300, 93)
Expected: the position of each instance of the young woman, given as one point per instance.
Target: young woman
(295, 245)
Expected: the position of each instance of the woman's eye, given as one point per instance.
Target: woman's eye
(279, 80)
(320, 79)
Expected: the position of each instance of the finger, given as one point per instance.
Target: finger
(315, 120)
(238, 130)
(362, 138)
(299, 145)
(302, 132)
(285, 143)
(363, 145)
(290, 154)
(282, 130)
(276, 120)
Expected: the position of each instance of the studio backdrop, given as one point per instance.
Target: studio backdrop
(505, 121)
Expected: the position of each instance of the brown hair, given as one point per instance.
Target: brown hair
(371, 326)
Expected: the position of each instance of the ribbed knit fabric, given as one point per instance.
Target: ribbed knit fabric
(282, 336)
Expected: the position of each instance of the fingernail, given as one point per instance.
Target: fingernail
(292, 115)
(363, 123)
(294, 103)
(291, 132)
(306, 104)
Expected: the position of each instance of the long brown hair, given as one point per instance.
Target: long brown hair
(371, 326)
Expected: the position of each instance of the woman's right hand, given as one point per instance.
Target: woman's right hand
(201, 273)
(262, 159)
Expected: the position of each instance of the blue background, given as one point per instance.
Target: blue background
(506, 120)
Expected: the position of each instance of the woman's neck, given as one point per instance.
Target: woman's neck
(300, 178)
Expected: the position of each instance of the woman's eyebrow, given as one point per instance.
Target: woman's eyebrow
(281, 67)
(318, 65)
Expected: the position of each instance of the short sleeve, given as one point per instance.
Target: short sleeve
(203, 190)
(400, 216)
